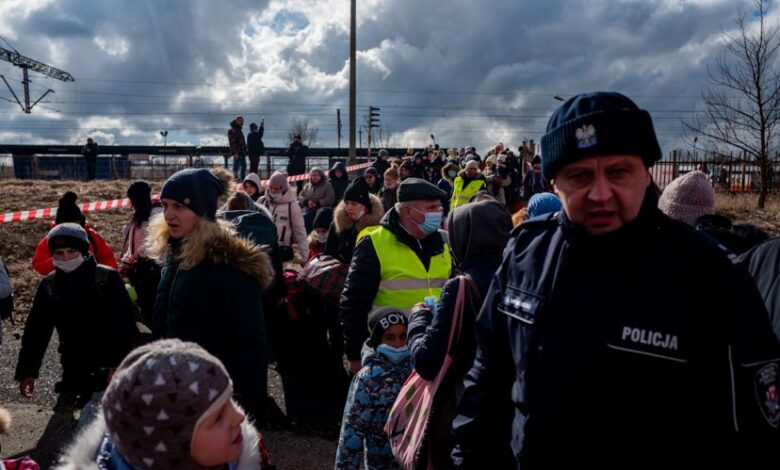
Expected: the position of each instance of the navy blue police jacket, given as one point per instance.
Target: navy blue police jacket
(626, 344)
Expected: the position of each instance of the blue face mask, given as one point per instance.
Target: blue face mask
(397, 355)
(431, 223)
(452, 174)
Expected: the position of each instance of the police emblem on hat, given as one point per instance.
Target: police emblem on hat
(586, 136)
(767, 393)
(187, 201)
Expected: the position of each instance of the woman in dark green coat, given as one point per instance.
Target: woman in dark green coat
(212, 284)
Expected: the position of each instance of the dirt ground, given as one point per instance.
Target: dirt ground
(38, 430)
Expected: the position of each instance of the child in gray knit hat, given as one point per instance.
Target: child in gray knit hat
(168, 406)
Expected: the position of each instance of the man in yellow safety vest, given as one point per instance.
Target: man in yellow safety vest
(469, 182)
(396, 264)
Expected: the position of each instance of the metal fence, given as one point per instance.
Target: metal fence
(726, 173)
(150, 167)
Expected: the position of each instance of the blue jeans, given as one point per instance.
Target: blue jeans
(239, 163)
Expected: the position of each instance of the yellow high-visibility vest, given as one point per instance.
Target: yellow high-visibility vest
(404, 280)
(461, 195)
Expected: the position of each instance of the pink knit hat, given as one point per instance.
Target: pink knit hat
(279, 178)
(688, 197)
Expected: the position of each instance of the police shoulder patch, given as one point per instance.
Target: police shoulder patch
(766, 386)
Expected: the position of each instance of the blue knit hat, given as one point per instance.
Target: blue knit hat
(198, 189)
(597, 123)
(543, 203)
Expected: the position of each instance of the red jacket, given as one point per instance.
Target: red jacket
(44, 264)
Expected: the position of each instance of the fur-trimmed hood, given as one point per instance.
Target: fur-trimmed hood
(446, 168)
(313, 242)
(342, 222)
(216, 240)
(81, 454)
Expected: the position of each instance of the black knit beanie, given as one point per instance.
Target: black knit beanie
(198, 189)
(323, 218)
(380, 320)
(68, 211)
(597, 123)
(358, 192)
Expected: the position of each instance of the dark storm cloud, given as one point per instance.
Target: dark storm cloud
(471, 72)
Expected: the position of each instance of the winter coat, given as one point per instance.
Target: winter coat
(44, 263)
(381, 167)
(343, 232)
(287, 215)
(254, 179)
(617, 324)
(429, 333)
(5, 281)
(534, 183)
(433, 169)
(254, 142)
(478, 253)
(389, 197)
(93, 450)
(763, 263)
(371, 396)
(133, 247)
(321, 193)
(339, 185)
(496, 185)
(211, 293)
(95, 322)
(236, 140)
(445, 184)
(419, 171)
(364, 276)
(297, 153)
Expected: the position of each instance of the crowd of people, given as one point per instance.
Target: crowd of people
(555, 306)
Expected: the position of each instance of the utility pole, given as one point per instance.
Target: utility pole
(360, 131)
(26, 63)
(338, 125)
(352, 84)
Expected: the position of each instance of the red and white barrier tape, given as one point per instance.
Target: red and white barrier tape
(20, 216)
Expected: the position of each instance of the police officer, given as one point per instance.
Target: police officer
(396, 264)
(595, 324)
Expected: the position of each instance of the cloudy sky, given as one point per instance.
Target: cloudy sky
(469, 72)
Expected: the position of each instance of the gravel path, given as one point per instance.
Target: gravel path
(40, 432)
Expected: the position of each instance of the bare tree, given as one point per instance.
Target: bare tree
(306, 130)
(383, 136)
(742, 98)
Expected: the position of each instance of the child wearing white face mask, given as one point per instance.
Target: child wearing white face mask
(94, 317)
(319, 234)
(386, 366)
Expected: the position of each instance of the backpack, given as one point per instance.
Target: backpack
(295, 293)
(325, 275)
